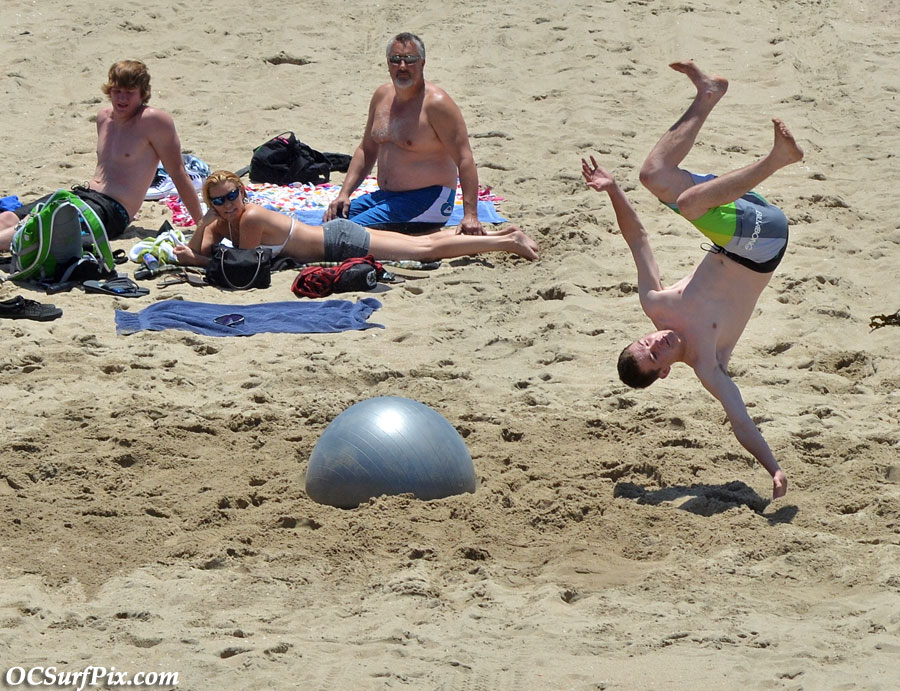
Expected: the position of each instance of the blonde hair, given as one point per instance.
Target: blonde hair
(128, 74)
(218, 177)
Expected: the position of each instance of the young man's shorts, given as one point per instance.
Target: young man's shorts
(345, 239)
(748, 230)
(114, 216)
(406, 211)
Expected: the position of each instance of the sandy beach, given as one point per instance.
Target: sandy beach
(153, 516)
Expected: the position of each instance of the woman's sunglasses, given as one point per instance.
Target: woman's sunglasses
(230, 197)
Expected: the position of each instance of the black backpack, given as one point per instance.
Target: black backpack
(284, 159)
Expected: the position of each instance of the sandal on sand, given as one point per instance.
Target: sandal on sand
(122, 286)
(185, 276)
(20, 308)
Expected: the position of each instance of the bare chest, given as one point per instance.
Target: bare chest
(715, 303)
(405, 127)
(121, 144)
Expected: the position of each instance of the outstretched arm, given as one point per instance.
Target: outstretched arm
(362, 163)
(450, 127)
(199, 248)
(726, 391)
(629, 224)
(164, 139)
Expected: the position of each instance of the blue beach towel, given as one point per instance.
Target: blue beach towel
(487, 213)
(10, 203)
(324, 316)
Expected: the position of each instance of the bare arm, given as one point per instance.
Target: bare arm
(193, 253)
(164, 140)
(629, 224)
(186, 191)
(720, 385)
(448, 123)
(362, 163)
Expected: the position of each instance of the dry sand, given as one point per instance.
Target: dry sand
(152, 507)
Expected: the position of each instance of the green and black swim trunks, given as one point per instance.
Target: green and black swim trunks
(749, 230)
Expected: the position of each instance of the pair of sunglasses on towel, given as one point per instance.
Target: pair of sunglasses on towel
(229, 319)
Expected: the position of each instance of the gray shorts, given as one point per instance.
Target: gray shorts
(345, 239)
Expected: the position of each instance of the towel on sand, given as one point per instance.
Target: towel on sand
(10, 203)
(307, 203)
(322, 316)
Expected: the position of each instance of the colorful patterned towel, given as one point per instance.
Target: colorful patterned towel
(307, 203)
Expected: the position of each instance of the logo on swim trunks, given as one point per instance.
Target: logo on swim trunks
(756, 231)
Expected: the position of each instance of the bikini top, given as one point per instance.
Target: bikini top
(276, 249)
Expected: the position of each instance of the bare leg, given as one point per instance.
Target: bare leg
(8, 222)
(698, 199)
(386, 244)
(660, 173)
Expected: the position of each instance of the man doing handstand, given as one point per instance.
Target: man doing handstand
(700, 318)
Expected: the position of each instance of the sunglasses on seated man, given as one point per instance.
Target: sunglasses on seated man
(408, 59)
(230, 197)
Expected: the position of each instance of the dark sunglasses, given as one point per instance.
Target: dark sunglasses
(229, 319)
(408, 59)
(230, 197)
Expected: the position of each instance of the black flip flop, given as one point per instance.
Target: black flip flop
(120, 256)
(21, 308)
(122, 286)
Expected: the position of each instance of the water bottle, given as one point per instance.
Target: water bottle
(151, 267)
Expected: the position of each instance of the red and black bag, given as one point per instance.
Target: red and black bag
(358, 273)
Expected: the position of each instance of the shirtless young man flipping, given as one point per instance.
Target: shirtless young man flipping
(418, 138)
(701, 317)
(132, 139)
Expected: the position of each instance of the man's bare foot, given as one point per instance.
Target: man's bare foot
(785, 150)
(712, 87)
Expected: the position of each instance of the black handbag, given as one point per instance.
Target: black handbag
(240, 269)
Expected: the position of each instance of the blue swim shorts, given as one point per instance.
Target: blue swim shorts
(427, 206)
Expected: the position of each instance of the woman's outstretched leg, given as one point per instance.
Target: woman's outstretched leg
(442, 245)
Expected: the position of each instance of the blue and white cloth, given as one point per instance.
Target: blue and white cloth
(163, 186)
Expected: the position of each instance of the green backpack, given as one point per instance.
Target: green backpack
(50, 237)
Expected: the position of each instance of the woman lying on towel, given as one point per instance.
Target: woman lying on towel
(248, 225)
